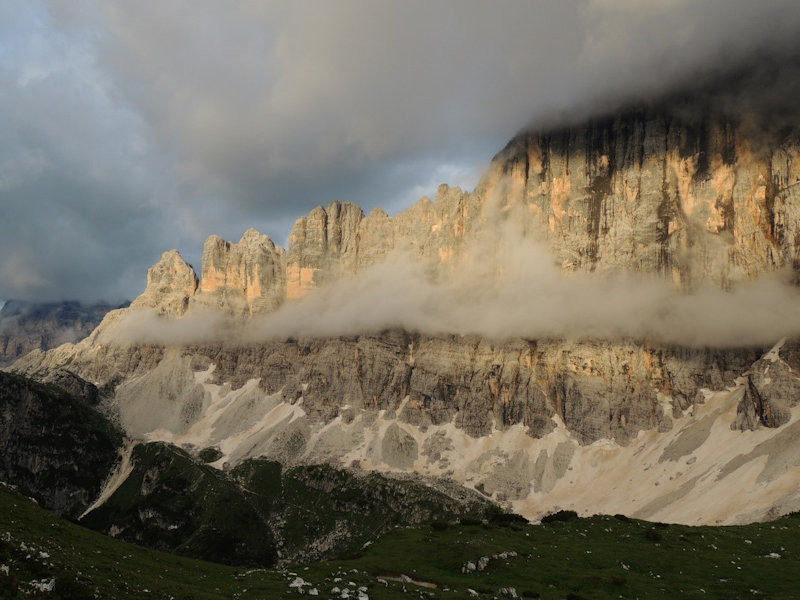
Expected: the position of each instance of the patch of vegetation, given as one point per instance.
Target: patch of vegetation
(40, 549)
(172, 502)
(497, 516)
(210, 455)
(259, 513)
(596, 557)
(561, 515)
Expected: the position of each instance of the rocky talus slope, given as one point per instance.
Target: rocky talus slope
(622, 425)
(60, 449)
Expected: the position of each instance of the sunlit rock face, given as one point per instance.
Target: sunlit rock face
(244, 278)
(692, 200)
(171, 282)
(698, 199)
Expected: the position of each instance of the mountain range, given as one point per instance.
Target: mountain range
(604, 324)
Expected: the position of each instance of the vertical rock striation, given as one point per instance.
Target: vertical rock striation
(243, 278)
(695, 199)
(171, 283)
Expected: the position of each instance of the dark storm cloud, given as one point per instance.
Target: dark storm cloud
(128, 128)
(75, 183)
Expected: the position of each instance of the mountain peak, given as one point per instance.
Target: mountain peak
(171, 282)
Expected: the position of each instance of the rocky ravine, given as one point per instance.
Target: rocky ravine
(538, 423)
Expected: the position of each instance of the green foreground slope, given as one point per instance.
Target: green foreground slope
(600, 557)
(259, 513)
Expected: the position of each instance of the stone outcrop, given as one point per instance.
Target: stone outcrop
(171, 282)
(772, 390)
(596, 389)
(692, 200)
(322, 247)
(57, 447)
(72, 384)
(695, 198)
(243, 278)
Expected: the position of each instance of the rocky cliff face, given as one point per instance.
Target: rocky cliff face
(693, 200)
(54, 445)
(171, 282)
(697, 199)
(60, 449)
(244, 278)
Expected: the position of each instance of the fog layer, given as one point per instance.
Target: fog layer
(506, 286)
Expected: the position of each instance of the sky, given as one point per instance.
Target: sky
(128, 128)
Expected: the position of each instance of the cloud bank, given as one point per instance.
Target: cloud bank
(129, 128)
(506, 287)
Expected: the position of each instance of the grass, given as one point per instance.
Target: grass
(260, 513)
(598, 557)
(36, 545)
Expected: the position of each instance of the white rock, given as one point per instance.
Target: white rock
(298, 582)
(45, 585)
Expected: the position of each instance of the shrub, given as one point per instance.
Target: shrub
(622, 518)
(561, 515)
(505, 519)
(653, 536)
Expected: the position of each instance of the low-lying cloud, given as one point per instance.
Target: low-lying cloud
(507, 289)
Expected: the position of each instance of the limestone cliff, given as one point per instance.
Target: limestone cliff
(692, 199)
(171, 282)
(696, 199)
(243, 278)
(699, 199)
(322, 246)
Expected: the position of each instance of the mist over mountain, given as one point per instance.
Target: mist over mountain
(26, 326)
(128, 132)
(616, 296)
(596, 312)
(672, 220)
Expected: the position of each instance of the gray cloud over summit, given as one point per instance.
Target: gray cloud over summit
(128, 128)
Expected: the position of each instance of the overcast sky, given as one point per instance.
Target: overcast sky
(132, 127)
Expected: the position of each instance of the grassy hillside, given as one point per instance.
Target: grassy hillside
(601, 557)
(39, 547)
(261, 513)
